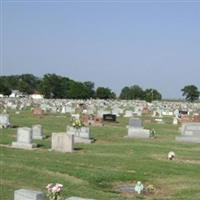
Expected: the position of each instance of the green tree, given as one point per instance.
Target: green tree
(27, 83)
(125, 93)
(104, 93)
(4, 89)
(54, 86)
(190, 92)
(136, 92)
(90, 89)
(132, 92)
(78, 90)
(152, 94)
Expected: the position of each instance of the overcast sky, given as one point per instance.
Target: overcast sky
(113, 43)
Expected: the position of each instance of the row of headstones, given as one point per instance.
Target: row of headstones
(63, 141)
(24, 194)
(25, 136)
(190, 132)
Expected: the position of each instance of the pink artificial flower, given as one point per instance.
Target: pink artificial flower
(49, 186)
(59, 185)
(56, 189)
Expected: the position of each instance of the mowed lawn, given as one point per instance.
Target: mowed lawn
(96, 170)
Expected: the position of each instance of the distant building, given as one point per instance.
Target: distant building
(37, 96)
(16, 93)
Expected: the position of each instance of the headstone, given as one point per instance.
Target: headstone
(62, 142)
(175, 121)
(135, 129)
(185, 119)
(109, 117)
(81, 135)
(135, 122)
(38, 112)
(176, 113)
(98, 121)
(37, 132)
(159, 120)
(154, 114)
(196, 118)
(24, 139)
(116, 111)
(190, 132)
(4, 120)
(24, 194)
(75, 116)
(128, 113)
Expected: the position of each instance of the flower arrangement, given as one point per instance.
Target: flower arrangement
(54, 191)
(139, 187)
(77, 124)
(171, 155)
(150, 189)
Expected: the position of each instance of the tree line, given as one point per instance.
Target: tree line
(55, 86)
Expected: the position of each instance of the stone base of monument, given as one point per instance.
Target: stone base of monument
(20, 145)
(83, 132)
(38, 137)
(82, 140)
(24, 194)
(185, 138)
(81, 135)
(138, 133)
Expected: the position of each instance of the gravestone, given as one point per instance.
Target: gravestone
(24, 139)
(75, 116)
(196, 118)
(4, 120)
(175, 121)
(109, 117)
(128, 113)
(81, 135)
(135, 129)
(190, 132)
(135, 122)
(62, 142)
(24, 194)
(37, 132)
(38, 112)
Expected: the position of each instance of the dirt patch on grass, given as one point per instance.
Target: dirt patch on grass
(177, 160)
(127, 190)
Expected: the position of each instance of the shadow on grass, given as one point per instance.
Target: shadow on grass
(78, 148)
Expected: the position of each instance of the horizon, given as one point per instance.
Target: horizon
(113, 44)
(117, 94)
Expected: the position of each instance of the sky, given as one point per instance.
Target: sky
(153, 44)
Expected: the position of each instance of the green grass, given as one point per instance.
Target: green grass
(94, 170)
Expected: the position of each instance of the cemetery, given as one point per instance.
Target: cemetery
(110, 155)
(100, 100)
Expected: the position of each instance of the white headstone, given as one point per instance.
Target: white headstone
(190, 132)
(62, 142)
(37, 132)
(24, 139)
(24, 194)
(4, 120)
